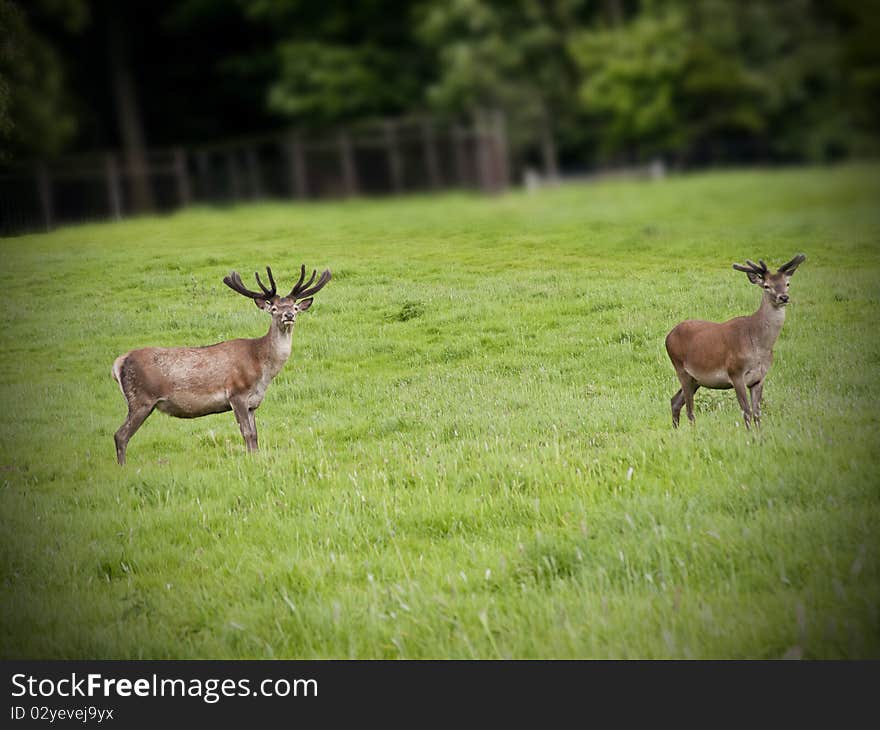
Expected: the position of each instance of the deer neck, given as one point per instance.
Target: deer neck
(274, 346)
(767, 323)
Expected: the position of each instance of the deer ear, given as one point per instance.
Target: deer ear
(262, 303)
(303, 304)
(755, 278)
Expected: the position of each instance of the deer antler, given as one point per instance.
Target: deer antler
(234, 282)
(298, 285)
(752, 268)
(268, 292)
(301, 291)
(793, 264)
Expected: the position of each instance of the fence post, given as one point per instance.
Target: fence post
(459, 153)
(430, 154)
(182, 175)
(114, 192)
(234, 176)
(297, 167)
(548, 149)
(253, 165)
(502, 159)
(484, 161)
(204, 165)
(346, 158)
(44, 186)
(395, 162)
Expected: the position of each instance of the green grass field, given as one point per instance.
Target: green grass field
(469, 453)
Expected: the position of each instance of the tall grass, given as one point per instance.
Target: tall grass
(469, 453)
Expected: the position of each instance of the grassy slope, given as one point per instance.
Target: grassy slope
(446, 457)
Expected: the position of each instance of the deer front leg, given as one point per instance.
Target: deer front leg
(252, 413)
(740, 387)
(757, 391)
(246, 423)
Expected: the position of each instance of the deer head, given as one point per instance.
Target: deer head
(775, 285)
(282, 309)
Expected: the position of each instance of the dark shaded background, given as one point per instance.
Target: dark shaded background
(582, 82)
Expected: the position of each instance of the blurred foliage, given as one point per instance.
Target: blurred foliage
(339, 61)
(322, 83)
(36, 114)
(720, 80)
(616, 80)
(509, 55)
(631, 76)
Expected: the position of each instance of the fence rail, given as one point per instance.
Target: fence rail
(387, 157)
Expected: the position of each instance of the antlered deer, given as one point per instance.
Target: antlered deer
(734, 354)
(188, 382)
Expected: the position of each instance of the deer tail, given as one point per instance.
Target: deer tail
(116, 372)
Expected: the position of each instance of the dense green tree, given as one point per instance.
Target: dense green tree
(510, 55)
(722, 79)
(321, 83)
(858, 22)
(631, 77)
(338, 61)
(717, 80)
(36, 108)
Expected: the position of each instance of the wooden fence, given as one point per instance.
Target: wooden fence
(388, 157)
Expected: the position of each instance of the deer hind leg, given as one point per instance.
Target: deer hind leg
(677, 403)
(137, 414)
(688, 392)
(689, 386)
(756, 392)
(246, 422)
(139, 406)
(740, 387)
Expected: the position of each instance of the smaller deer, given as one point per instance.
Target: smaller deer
(188, 382)
(734, 354)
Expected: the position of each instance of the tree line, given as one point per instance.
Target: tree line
(584, 82)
